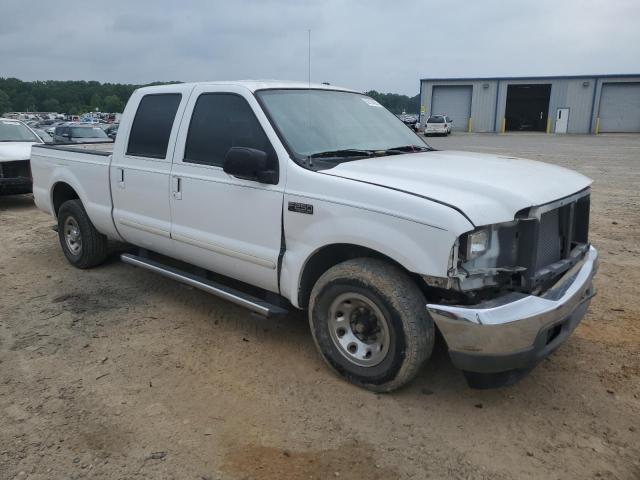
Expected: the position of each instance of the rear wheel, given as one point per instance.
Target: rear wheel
(81, 243)
(370, 323)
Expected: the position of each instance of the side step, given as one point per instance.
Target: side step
(254, 304)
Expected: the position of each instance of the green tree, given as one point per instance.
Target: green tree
(395, 102)
(96, 101)
(50, 105)
(5, 104)
(113, 104)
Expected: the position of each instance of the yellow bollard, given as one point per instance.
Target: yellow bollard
(469, 125)
(597, 125)
(504, 124)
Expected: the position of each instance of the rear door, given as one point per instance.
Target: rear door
(141, 167)
(229, 225)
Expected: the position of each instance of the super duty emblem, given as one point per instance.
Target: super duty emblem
(301, 208)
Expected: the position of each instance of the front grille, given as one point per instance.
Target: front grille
(16, 169)
(549, 239)
(546, 244)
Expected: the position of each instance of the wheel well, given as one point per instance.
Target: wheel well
(61, 193)
(328, 256)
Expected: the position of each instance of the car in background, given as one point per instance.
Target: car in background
(52, 128)
(410, 121)
(44, 136)
(112, 130)
(438, 125)
(15, 152)
(79, 133)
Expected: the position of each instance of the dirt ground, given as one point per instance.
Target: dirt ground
(117, 373)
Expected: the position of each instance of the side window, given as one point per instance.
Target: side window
(221, 121)
(152, 125)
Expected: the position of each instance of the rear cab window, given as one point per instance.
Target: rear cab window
(152, 124)
(435, 119)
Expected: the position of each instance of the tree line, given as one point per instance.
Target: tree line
(395, 102)
(79, 96)
(73, 96)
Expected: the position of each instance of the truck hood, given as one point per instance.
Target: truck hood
(486, 188)
(10, 151)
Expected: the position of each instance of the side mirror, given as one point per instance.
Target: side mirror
(249, 164)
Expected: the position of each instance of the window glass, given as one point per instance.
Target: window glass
(152, 125)
(317, 121)
(436, 120)
(13, 131)
(221, 121)
(88, 132)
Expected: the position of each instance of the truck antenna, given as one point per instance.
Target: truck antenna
(309, 57)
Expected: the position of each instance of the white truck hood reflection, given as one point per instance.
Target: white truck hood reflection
(487, 188)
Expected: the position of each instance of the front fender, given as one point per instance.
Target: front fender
(419, 248)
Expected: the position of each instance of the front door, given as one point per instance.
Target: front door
(562, 120)
(141, 167)
(225, 224)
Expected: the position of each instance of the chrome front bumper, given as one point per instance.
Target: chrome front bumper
(516, 331)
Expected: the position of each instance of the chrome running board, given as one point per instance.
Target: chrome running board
(254, 304)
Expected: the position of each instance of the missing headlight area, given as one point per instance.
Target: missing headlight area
(528, 253)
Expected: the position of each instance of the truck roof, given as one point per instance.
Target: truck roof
(254, 85)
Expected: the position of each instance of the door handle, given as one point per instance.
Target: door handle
(176, 190)
(121, 177)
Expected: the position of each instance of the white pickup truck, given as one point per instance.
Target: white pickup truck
(278, 195)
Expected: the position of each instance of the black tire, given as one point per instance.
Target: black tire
(410, 328)
(92, 249)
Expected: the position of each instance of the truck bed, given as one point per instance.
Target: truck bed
(102, 148)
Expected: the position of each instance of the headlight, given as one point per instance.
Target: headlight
(477, 243)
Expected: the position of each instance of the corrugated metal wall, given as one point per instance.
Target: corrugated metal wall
(581, 95)
(455, 102)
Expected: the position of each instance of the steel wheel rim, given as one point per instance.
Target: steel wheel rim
(72, 237)
(359, 329)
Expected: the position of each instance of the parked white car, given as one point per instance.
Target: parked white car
(15, 150)
(319, 198)
(438, 125)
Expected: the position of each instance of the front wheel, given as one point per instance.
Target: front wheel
(369, 322)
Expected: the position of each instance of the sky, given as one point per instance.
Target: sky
(382, 45)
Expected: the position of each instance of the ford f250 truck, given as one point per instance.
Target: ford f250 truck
(278, 195)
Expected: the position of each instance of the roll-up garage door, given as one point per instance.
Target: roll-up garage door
(454, 101)
(620, 107)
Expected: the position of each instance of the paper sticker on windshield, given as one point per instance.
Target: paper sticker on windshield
(9, 122)
(371, 102)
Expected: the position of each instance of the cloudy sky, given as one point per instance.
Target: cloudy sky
(373, 44)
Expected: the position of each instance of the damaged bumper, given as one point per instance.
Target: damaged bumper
(498, 341)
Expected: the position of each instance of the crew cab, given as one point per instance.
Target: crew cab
(15, 149)
(280, 196)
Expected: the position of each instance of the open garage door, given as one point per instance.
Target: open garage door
(454, 101)
(620, 107)
(527, 107)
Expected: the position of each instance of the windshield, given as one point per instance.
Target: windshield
(435, 120)
(337, 125)
(12, 131)
(87, 132)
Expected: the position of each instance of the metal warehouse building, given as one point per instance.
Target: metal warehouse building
(570, 104)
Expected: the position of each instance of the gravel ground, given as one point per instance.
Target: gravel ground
(117, 373)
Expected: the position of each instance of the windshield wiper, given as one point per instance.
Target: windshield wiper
(408, 149)
(347, 152)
